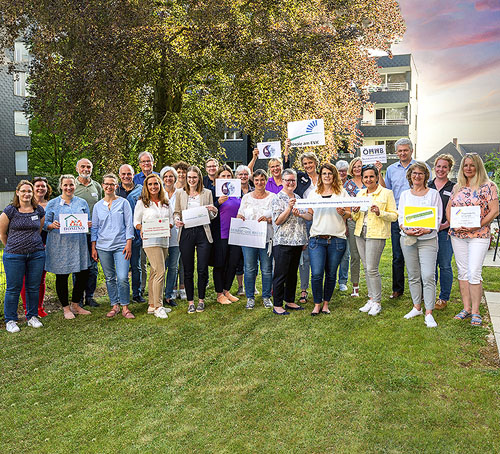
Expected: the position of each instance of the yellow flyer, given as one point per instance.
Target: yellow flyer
(423, 217)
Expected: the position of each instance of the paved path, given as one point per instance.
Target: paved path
(488, 261)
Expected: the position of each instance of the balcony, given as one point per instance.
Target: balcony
(391, 86)
(384, 122)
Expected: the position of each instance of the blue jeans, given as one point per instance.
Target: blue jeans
(251, 256)
(445, 253)
(171, 265)
(135, 266)
(325, 256)
(115, 268)
(344, 266)
(398, 260)
(18, 267)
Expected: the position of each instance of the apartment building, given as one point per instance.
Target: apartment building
(14, 127)
(394, 111)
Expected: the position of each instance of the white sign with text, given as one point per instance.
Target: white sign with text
(248, 233)
(306, 133)
(373, 153)
(228, 187)
(269, 150)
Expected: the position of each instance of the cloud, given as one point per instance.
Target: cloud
(486, 36)
(487, 5)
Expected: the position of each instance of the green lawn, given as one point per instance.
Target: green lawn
(236, 381)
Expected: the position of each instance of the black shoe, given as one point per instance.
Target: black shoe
(291, 308)
(314, 314)
(280, 313)
(91, 302)
(169, 302)
(138, 299)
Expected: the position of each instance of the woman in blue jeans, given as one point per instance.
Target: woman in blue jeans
(256, 205)
(442, 166)
(24, 254)
(327, 242)
(112, 233)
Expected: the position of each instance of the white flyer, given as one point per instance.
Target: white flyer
(230, 187)
(306, 133)
(363, 202)
(74, 223)
(248, 233)
(269, 150)
(192, 217)
(468, 216)
(373, 153)
(155, 228)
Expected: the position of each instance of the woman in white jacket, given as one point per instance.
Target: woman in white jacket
(153, 205)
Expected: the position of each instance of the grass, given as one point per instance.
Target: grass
(236, 381)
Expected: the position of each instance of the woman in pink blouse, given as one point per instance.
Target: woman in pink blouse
(470, 244)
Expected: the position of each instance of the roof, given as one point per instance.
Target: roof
(482, 149)
(395, 61)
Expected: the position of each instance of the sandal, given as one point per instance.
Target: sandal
(440, 304)
(476, 320)
(128, 314)
(113, 312)
(303, 297)
(462, 315)
(355, 291)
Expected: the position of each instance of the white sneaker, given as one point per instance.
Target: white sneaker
(367, 306)
(161, 312)
(413, 313)
(12, 327)
(267, 303)
(430, 322)
(34, 322)
(182, 294)
(343, 287)
(375, 310)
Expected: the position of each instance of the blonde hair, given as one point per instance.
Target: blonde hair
(273, 160)
(351, 165)
(480, 178)
(445, 157)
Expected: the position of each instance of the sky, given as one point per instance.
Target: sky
(456, 48)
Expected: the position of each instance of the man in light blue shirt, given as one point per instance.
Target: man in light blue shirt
(395, 179)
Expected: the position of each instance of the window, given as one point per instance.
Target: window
(21, 53)
(21, 163)
(233, 164)
(389, 145)
(21, 126)
(20, 84)
(233, 135)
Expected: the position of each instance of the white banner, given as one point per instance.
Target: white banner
(74, 223)
(229, 187)
(193, 217)
(248, 233)
(373, 153)
(306, 133)
(155, 228)
(362, 202)
(269, 150)
(468, 216)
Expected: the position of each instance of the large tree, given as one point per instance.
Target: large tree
(167, 75)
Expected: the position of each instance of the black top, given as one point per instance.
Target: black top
(445, 194)
(208, 184)
(23, 234)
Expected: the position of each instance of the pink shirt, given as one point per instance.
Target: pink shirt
(480, 197)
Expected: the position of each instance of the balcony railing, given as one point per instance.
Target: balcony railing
(384, 122)
(394, 86)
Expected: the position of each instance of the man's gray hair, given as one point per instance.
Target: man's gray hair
(403, 141)
(342, 165)
(288, 172)
(84, 159)
(144, 153)
(126, 165)
(242, 168)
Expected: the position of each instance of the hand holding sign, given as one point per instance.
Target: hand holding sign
(269, 150)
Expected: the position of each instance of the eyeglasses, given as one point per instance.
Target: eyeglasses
(109, 184)
(290, 181)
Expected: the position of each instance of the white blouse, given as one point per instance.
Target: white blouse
(150, 213)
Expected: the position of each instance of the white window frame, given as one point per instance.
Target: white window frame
(21, 124)
(21, 53)
(233, 135)
(21, 162)
(20, 84)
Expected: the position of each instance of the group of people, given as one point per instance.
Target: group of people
(315, 242)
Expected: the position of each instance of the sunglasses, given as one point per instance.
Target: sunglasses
(39, 179)
(368, 167)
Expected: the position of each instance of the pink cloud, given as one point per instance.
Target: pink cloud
(486, 36)
(487, 5)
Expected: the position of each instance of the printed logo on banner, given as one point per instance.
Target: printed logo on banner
(228, 188)
(73, 221)
(268, 151)
(309, 130)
